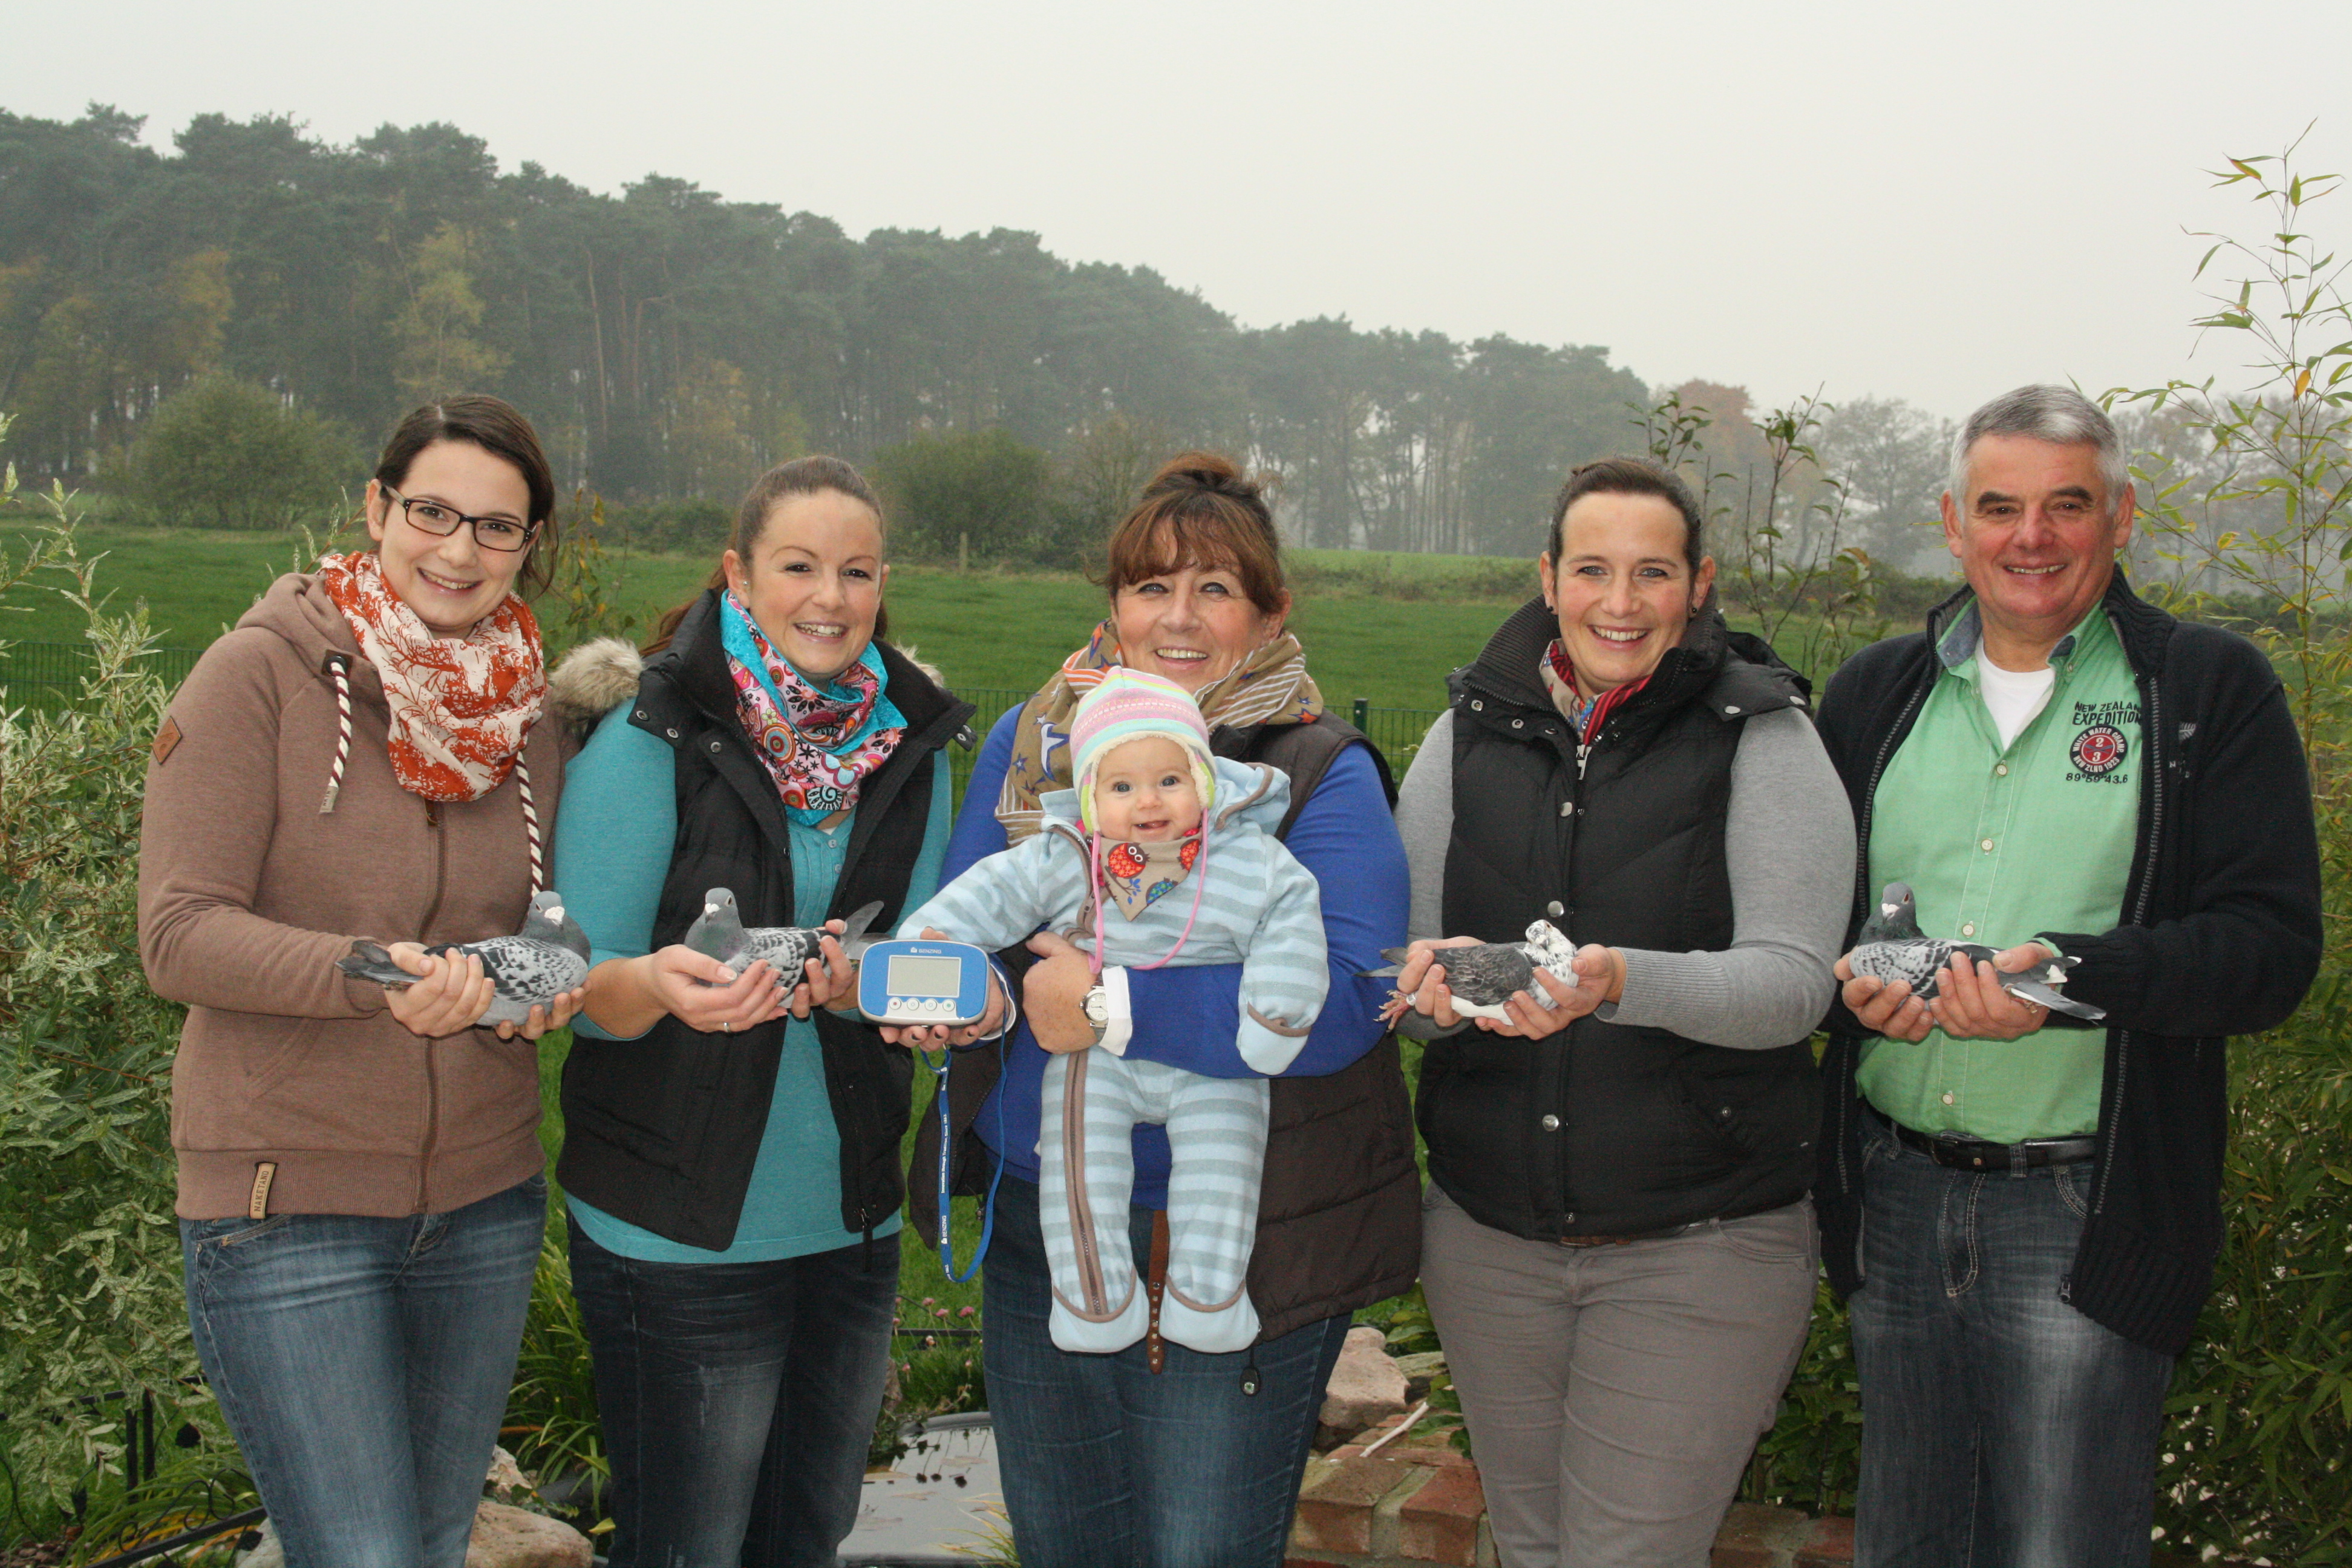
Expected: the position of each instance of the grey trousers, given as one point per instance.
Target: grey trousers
(1614, 1394)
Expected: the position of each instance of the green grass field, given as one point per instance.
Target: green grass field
(1384, 629)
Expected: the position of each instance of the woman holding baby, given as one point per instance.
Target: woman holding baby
(1158, 1453)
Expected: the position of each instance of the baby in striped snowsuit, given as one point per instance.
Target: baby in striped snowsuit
(1169, 852)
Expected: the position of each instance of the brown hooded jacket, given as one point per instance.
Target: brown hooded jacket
(295, 1089)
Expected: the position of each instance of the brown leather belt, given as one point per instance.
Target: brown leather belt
(1977, 1154)
(1622, 1240)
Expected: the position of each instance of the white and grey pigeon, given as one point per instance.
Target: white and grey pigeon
(547, 957)
(1483, 977)
(719, 932)
(1891, 947)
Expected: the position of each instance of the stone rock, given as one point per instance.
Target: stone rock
(506, 1479)
(514, 1538)
(503, 1538)
(268, 1554)
(1366, 1386)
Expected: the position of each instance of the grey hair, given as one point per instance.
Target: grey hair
(2058, 415)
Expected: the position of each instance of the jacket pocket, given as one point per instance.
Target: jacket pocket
(646, 1103)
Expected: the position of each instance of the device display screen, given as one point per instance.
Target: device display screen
(918, 976)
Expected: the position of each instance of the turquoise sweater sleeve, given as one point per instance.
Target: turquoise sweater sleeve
(612, 840)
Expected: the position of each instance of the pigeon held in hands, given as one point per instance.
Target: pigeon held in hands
(533, 967)
(1892, 948)
(1486, 976)
(719, 932)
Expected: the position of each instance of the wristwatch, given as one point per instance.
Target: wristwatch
(1106, 1008)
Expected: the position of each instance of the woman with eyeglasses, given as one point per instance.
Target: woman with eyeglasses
(360, 1196)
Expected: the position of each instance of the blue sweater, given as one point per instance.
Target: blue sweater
(613, 841)
(1191, 1019)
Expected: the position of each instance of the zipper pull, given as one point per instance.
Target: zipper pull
(433, 814)
(1583, 753)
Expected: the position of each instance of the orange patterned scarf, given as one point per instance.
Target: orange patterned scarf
(460, 706)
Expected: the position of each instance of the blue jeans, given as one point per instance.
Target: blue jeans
(738, 1399)
(363, 1365)
(1106, 1466)
(2001, 1427)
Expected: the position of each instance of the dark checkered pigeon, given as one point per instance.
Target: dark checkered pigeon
(719, 932)
(547, 957)
(1891, 947)
(1483, 977)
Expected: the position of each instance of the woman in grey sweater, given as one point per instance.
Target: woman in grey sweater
(1617, 1247)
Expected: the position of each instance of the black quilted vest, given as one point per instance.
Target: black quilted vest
(1606, 1129)
(663, 1131)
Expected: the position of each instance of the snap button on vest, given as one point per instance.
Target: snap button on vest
(1550, 1124)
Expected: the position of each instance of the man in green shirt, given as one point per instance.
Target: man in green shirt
(2024, 1212)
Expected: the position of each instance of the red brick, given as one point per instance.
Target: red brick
(1436, 1457)
(1755, 1536)
(1335, 1511)
(1439, 1523)
(1308, 1563)
(1830, 1545)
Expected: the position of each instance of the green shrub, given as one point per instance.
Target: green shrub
(224, 453)
(90, 1270)
(980, 494)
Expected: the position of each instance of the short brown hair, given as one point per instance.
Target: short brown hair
(498, 428)
(801, 477)
(1630, 477)
(1200, 510)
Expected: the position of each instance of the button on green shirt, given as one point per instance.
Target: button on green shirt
(1998, 843)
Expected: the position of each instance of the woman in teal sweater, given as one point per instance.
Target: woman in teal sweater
(731, 1155)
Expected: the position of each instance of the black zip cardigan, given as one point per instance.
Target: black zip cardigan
(663, 1131)
(2220, 936)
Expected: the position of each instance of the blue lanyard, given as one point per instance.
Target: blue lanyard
(946, 1144)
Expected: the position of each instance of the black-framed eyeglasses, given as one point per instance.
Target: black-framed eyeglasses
(499, 533)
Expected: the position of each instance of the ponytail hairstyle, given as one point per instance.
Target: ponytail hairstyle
(801, 477)
(1200, 510)
(1630, 476)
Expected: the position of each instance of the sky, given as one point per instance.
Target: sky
(1928, 202)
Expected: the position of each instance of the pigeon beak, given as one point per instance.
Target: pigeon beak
(555, 911)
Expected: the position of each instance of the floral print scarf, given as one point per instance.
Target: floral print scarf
(818, 741)
(460, 707)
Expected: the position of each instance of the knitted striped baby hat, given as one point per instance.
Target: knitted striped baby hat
(1128, 704)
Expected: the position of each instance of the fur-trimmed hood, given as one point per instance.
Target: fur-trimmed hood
(591, 681)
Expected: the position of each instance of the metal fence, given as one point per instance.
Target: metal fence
(47, 675)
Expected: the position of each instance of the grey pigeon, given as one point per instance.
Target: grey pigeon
(547, 957)
(1892, 948)
(718, 932)
(1483, 977)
